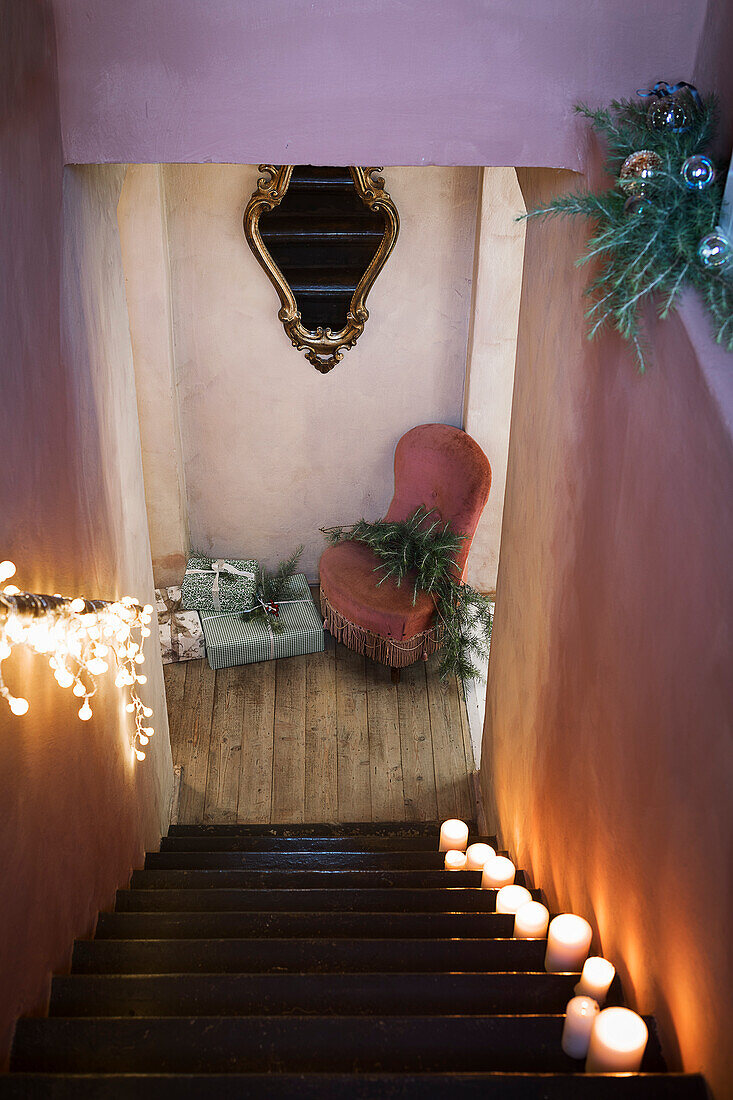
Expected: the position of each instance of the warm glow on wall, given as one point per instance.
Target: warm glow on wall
(82, 639)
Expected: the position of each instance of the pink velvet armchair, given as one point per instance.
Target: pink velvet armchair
(443, 469)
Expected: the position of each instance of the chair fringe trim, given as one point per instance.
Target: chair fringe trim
(387, 651)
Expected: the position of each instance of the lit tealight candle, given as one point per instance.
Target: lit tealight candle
(511, 898)
(453, 836)
(617, 1042)
(531, 921)
(580, 1015)
(455, 861)
(596, 979)
(477, 855)
(568, 943)
(498, 872)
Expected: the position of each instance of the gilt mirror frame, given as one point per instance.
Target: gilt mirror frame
(323, 347)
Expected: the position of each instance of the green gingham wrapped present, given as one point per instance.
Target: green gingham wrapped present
(241, 639)
(219, 584)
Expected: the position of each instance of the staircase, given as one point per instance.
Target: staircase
(302, 962)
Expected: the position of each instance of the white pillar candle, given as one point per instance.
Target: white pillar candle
(568, 943)
(455, 861)
(453, 836)
(531, 921)
(596, 979)
(617, 1042)
(477, 855)
(580, 1015)
(511, 898)
(498, 871)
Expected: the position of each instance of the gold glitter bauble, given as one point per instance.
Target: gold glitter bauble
(637, 170)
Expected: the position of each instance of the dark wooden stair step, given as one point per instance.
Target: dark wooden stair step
(317, 202)
(317, 282)
(389, 900)
(321, 229)
(335, 253)
(317, 311)
(272, 880)
(228, 925)
(336, 830)
(321, 176)
(344, 1044)
(216, 842)
(298, 861)
(303, 955)
(362, 1086)
(303, 994)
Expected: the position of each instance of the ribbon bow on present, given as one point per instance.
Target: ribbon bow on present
(173, 615)
(219, 566)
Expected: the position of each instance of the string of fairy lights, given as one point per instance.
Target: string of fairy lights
(82, 639)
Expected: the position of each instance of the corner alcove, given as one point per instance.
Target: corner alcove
(246, 449)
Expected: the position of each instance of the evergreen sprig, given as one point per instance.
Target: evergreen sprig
(272, 587)
(422, 550)
(653, 253)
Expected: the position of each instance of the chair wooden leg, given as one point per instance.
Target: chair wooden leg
(396, 675)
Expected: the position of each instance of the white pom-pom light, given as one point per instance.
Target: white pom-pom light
(71, 632)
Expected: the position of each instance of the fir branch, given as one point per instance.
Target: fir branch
(423, 551)
(653, 252)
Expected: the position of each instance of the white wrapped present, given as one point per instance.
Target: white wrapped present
(181, 634)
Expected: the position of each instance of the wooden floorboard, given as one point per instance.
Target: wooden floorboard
(194, 734)
(288, 758)
(385, 751)
(255, 777)
(225, 748)
(323, 737)
(449, 756)
(354, 780)
(418, 771)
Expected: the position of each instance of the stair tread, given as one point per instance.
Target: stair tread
(218, 842)
(297, 861)
(304, 954)
(452, 899)
(349, 993)
(316, 1043)
(362, 1086)
(322, 829)
(267, 880)
(197, 925)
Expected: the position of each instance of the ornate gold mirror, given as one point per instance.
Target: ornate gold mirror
(322, 234)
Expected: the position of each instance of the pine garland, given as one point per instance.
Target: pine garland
(427, 549)
(653, 253)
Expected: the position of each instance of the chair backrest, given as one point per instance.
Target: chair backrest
(444, 469)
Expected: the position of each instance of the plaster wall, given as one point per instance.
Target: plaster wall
(608, 746)
(144, 240)
(497, 286)
(361, 81)
(272, 450)
(76, 814)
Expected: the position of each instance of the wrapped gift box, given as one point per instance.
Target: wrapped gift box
(181, 635)
(241, 639)
(219, 584)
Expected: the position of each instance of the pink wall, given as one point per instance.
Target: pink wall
(607, 749)
(487, 82)
(76, 814)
